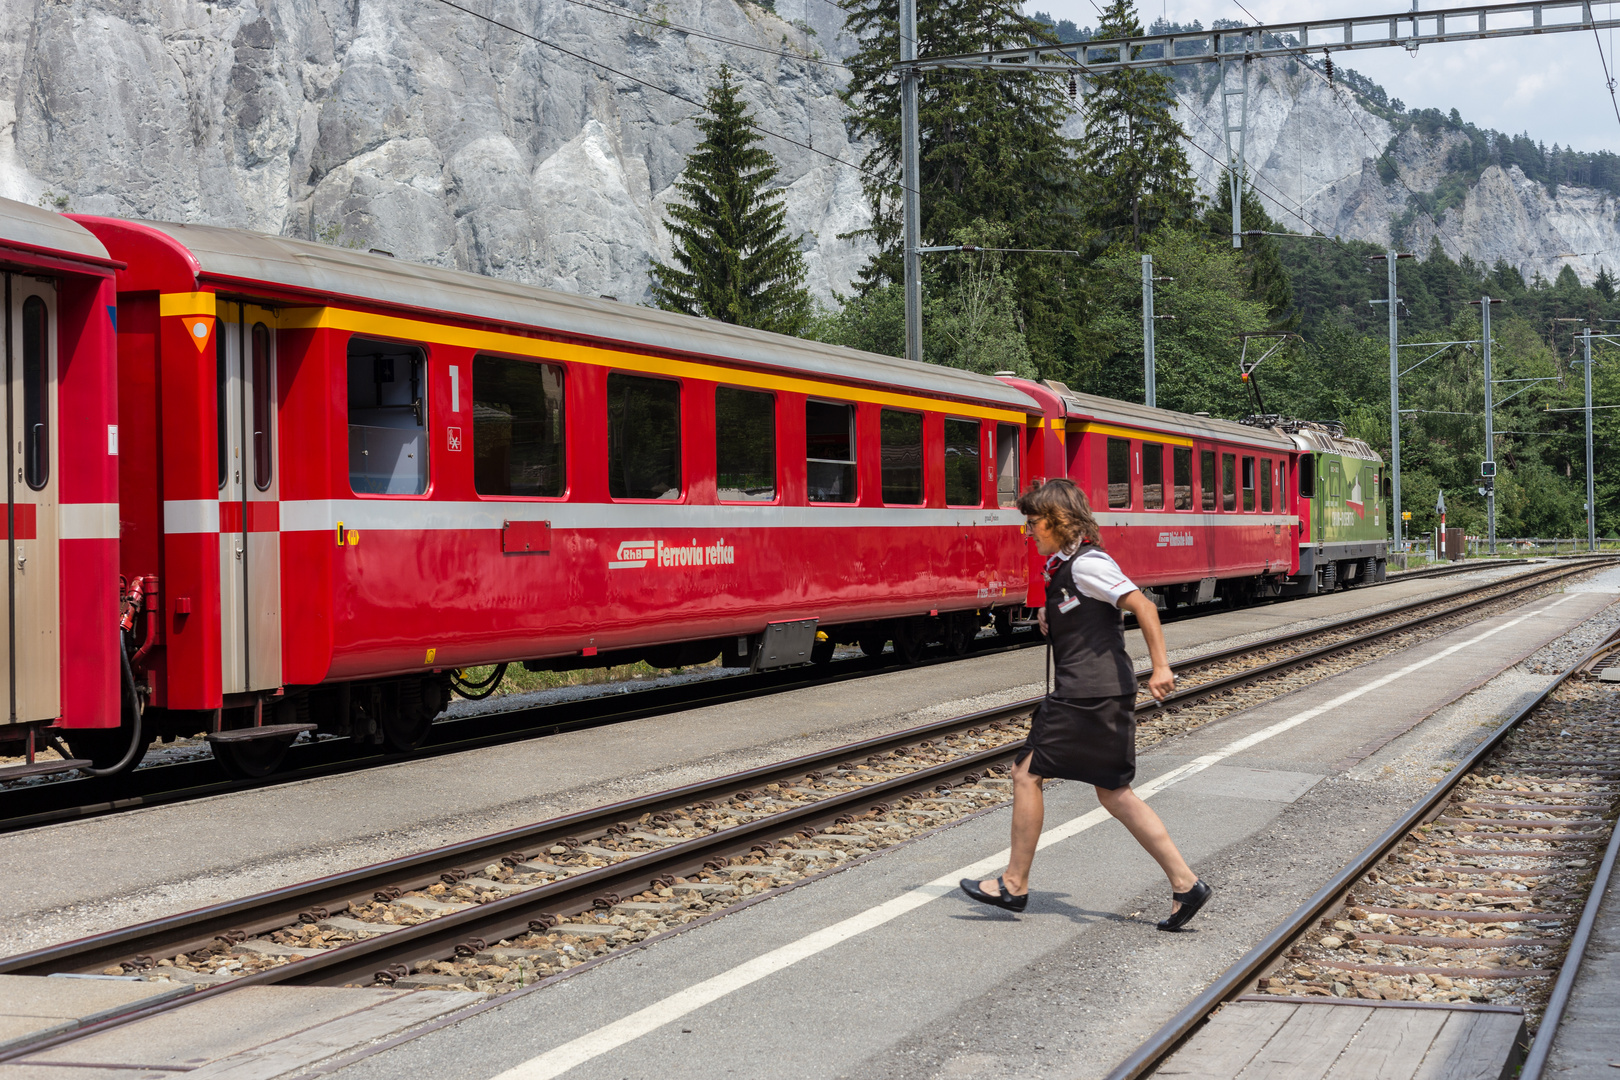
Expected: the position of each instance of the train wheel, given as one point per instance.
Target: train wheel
(1004, 629)
(401, 733)
(960, 630)
(252, 758)
(872, 645)
(822, 651)
(910, 639)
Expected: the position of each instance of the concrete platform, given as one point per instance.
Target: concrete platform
(33, 1008)
(101, 873)
(255, 1033)
(1332, 1039)
(888, 971)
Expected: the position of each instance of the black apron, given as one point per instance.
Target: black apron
(1085, 727)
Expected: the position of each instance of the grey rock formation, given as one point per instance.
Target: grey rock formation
(418, 129)
(1314, 150)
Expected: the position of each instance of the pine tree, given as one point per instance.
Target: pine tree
(991, 150)
(1136, 171)
(735, 261)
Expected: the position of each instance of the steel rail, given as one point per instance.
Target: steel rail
(255, 914)
(1163, 1042)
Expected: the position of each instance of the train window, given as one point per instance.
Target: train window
(829, 444)
(1228, 481)
(1307, 476)
(1182, 460)
(1282, 486)
(962, 463)
(901, 445)
(518, 446)
(644, 437)
(1265, 485)
(1007, 464)
(1206, 471)
(1248, 483)
(1152, 476)
(1119, 473)
(36, 388)
(262, 413)
(387, 418)
(745, 444)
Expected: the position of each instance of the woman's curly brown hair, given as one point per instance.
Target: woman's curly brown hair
(1063, 506)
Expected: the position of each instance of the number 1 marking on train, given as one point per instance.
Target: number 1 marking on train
(455, 390)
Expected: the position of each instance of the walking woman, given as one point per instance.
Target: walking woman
(1085, 728)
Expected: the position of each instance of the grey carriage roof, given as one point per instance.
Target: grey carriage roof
(1133, 415)
(24, 224)
(300, 264)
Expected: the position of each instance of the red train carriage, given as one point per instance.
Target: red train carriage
(344, 476)
(62, 664)
(1193, 508)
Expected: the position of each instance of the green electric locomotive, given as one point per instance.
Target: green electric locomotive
(1344, 525)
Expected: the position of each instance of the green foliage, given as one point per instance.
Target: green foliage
(735, 261)
(1137, 177)
(970, 316)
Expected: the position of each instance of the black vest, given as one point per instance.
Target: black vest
(1088, 641)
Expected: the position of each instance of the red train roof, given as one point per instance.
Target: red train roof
(176, 258)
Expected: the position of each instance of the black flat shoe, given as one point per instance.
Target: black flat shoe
(1001, 899)
(1190, 901)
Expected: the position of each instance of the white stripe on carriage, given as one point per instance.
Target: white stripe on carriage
(89, 521)
(315, 515)
(191, 516)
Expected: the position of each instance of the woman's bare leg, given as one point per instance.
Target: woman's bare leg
(1029, 811)
(1144, 824)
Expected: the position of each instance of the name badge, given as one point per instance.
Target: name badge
(1068, 603)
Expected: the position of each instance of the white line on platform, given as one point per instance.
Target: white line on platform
(593, 1044)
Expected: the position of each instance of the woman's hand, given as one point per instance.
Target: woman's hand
(1161, 682)
(1040, 614)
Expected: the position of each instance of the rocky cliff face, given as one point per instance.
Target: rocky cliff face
(418, 129)
(1315, 151)
(415, 128)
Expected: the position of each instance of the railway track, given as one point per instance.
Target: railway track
(532, 904)
(1482, 893)
(25, 807)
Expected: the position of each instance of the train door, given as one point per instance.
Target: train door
(31, 672)
(249, 536)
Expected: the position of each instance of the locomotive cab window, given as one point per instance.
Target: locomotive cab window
(1307, 476)
(1152, 476)
(387, 418)
(1228, 481)
(1206, 471)
(1265, 485)
(1248, 483)
(1182, 460)
(644, 437)
(962, 486)
(1007, 464)
(744, 445)
(829, 444)
(517, 428)
(901, 444)
(36, 432)
(1119, 473)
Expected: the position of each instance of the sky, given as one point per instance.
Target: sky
(1552, 87)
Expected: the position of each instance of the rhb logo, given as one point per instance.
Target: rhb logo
(1175, 539)
(633, 554)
